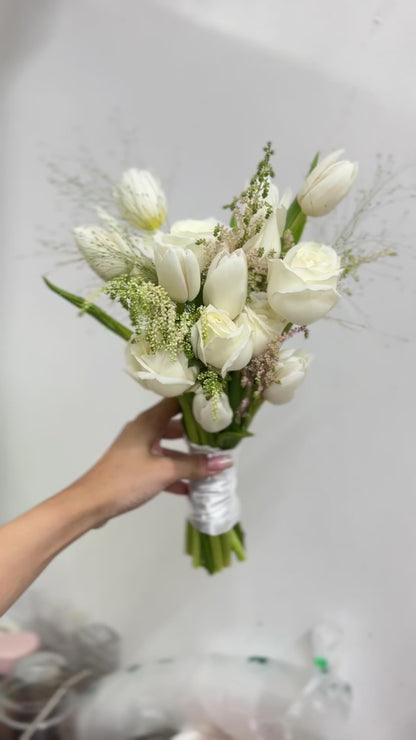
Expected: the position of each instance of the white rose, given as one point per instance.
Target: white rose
(158, 372)
(302, 286)
(141, 200)
(219, 342)
(193, 229)
(327, 184)
(226, 282)
(291, 370)
(106, 252)
(177, 272)
(213, 414)
(263, 321)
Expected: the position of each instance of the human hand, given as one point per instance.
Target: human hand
(136, 467)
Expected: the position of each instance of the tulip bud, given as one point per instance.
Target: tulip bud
(226, 282)
(267, 240)
(290, 372)
(327, 184)
(212, 414)
(280, 205)
(106, 252)
(177, 272)
(140, 200)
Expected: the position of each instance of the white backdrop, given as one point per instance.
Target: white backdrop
(328, 482)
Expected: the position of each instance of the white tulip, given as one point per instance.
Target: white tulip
(267, 239)
(213, 414)
(185, 241)
(141, 200)
(226, 282)
(280, 205)
(291, 369)
(263, 321)
(177, 272)
(158, 372)
(194, 230)
(219, 342)
(302, 286)
(327, 184)
(106, 252)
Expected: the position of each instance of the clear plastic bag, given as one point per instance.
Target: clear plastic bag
(216, 697)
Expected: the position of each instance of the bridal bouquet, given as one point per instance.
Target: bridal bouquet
(211, 308)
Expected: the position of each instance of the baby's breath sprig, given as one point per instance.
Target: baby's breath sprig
(151, 312)
(355, 245)
(351, 261)
(191, 314)
(257, 273)
(213, 385)
(260, 372)
(249, 209)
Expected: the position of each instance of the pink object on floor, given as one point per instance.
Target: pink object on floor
(14, 646)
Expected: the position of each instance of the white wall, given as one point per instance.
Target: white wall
(327, 482)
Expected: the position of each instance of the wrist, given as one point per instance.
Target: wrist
(82, 507)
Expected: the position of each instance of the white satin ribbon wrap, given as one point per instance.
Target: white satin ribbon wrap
(214, 501)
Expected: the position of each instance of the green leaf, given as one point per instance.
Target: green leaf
(93, 310)
(194, 362)
(295, 218)
(314, 163)
(228, 439)
(235, 390)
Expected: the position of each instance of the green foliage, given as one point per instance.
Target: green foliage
(295, 218)
(351, 261)
(249, 209)
(212, 383)
(165, 324)
(227, 440)
(151, 311)
(93, 310)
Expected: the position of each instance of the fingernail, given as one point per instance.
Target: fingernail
(218, 463)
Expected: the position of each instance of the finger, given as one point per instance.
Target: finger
(151, 423)
(176, 465)
(174, 430)
(178, 487)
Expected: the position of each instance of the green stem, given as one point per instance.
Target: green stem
(238, 528)
(237, 546)
(188, 545)
(93, 310)
(189, 422)
(196, 548)
(226, 549)
(205, 547)
(216, 551)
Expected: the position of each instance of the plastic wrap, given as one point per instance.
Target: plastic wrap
(216, 697)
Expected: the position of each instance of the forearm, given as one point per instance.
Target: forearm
(31, 541)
